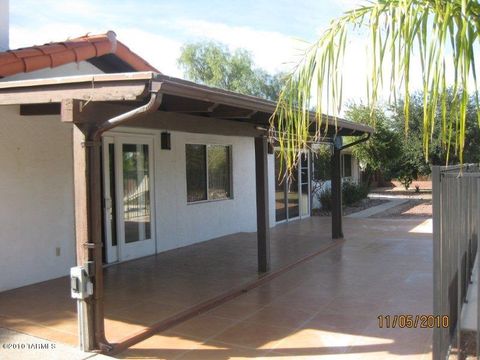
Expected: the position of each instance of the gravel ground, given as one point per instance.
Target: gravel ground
(422, 185)
(412, 209)
(397, 190)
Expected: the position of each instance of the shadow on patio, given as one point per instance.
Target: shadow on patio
(326, 305)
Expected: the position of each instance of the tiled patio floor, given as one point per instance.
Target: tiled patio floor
(326, 306)
(142, 292)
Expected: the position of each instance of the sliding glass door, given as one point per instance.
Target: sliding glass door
(292, 194)
(280, 190)
(304, 185)
(293, 198)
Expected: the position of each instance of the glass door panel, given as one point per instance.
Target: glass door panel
(280, 198)
(304, 180)
(136, 192)
(136, 233)
(292, 194)
(293, 199)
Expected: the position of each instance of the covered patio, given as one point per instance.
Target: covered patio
(145, 293)
(94, 105)
(325, 305)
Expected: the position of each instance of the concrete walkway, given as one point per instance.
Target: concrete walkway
(393, 195)
(377, 209)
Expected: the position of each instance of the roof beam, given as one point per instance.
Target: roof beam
(187, 89)
(82, 112)
(91, 91)
(124, 88)
(40, 109)
(195, 124)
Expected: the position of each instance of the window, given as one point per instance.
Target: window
(208, 172)
(347, 165)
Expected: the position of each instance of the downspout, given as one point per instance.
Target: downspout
(359, 141)
(152, 106)
(94, 249)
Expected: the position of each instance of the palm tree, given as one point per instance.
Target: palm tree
(444, 33)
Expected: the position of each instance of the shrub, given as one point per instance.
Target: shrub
(406, 180)
(351, 193)
(325, 197)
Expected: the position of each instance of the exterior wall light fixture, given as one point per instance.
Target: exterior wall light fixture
(165, 141)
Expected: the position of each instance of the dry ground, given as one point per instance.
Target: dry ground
(412, 209)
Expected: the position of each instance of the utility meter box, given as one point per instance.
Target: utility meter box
(80, 285)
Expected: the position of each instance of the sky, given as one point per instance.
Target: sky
(274, 31)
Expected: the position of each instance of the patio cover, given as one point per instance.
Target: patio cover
(97, 103)
(133, 89)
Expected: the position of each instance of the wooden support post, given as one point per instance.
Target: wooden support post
(263, 218)
(336, 190)
(88, 217)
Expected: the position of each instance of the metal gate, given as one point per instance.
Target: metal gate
(456, 221)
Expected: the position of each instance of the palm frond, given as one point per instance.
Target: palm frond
(442, 32)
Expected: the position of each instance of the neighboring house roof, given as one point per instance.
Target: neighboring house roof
(103, 51)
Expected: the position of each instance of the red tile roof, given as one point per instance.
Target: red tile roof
(83, 48)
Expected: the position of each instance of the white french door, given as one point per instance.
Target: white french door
(128, 196)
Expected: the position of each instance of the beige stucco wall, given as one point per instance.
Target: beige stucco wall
(36, 198)
(37, 202)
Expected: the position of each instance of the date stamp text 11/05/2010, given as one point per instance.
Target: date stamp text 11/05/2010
(411, 321)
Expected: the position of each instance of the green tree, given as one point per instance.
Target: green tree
(439, 152)
(213, 64)
(382, 153)
(322, 163)
(440, 32)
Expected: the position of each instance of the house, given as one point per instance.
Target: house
(133, 159)
(105, 159)
(321, 175)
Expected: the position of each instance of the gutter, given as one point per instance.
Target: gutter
(152, 106)
(95, 306)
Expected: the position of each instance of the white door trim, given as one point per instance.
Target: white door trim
(127, 251)
(111, 250)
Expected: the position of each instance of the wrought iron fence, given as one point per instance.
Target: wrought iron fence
(456, 221)
(136, 194)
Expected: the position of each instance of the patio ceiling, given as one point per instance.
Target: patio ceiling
(82, 98)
